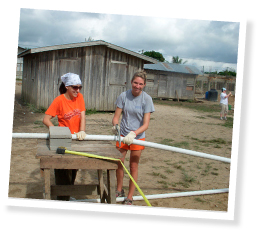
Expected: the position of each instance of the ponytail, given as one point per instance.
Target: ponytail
(62, 88)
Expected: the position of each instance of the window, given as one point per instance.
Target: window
(118, 73)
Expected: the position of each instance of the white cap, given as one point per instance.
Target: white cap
(224, 89)
(71, 79)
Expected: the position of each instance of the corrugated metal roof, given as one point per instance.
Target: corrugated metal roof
(173, 67)
(83, 44)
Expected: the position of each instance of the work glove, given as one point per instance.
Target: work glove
(81, 135)
(114, 130)
(129, 138)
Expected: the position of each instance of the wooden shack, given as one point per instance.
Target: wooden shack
(19, 64)
(171, 80)
(105, 70)
(206, 82)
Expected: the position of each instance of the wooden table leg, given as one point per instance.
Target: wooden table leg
(101, 185)
(111, 178)
(47, 184)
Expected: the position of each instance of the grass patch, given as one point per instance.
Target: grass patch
(167, 142)
(164, 183)
(159, 174)
(200, 117)
(182, 144)
(208, 108)
(188, 178)
(34, 109)
(169, 171)
(217, 142)
(37, 122)
(228, 123)
(198, 199)
(206, 170)
(155, 174)
(177, 166)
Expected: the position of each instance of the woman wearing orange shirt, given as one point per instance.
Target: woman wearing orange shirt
(69, 107)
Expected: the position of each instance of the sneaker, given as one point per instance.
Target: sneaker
(225, 118)
(127, 202)
(120, 194)
(221, 118)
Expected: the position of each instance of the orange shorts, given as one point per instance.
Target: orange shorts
(131, 147)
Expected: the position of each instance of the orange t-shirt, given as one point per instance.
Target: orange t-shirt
(68, 111)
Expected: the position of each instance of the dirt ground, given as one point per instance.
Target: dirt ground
(160, 171)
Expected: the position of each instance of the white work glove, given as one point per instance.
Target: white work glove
(114, 130)
(81, 135)
(129, 138)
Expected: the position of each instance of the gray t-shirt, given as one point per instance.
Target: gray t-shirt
(133, 110)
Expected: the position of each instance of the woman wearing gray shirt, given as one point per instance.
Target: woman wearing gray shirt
(136, 106)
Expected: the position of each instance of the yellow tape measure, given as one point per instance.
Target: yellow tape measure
(113, 159)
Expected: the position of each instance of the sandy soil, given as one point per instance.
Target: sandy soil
(160, 171)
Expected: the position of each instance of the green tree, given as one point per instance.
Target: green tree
(177, 60)
(228, 73)
(155, 55)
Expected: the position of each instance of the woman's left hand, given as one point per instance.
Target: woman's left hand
(81, 135)
(129, 138)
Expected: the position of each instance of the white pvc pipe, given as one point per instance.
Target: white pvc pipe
(137, 142)
(31, 135)
(158, 146)
(169, 195)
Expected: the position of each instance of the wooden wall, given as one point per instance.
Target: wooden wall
(104, 72)
(163, 84)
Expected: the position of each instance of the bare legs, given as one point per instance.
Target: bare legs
(134, 160)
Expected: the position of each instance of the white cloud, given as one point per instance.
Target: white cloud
(213, 41)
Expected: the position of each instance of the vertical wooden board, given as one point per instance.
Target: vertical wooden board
(35, 83)
(85, 63)
(105, 79)
(56, 77)
(50, 79)
(97, 82)
(170, 87)
(46, 80)
(162, 87)
(89, 76)
(101, 86)
(111, 178)
(102, 81)
(97, 78)
(178, 84)
(47, 184)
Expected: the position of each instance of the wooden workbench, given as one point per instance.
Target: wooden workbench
(50, 160)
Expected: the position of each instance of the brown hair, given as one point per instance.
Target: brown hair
(142, 74)
(62, 88)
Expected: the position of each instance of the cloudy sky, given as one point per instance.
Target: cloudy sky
(212, 44)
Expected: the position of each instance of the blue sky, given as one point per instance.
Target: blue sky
(212, 44)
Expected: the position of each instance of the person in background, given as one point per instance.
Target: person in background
(224, 104)
(69, 107)
(136, 106)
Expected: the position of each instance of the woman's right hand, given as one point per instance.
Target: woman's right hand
(114, 129)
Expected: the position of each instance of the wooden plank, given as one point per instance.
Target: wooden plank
(76, 163)
(177, 95)
(98, 148)
(111, 177)
(47, 194)
(101, 185)
(67, 190)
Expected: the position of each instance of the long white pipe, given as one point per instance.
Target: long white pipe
(137, 142)
(31, 135)
(168, 195)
